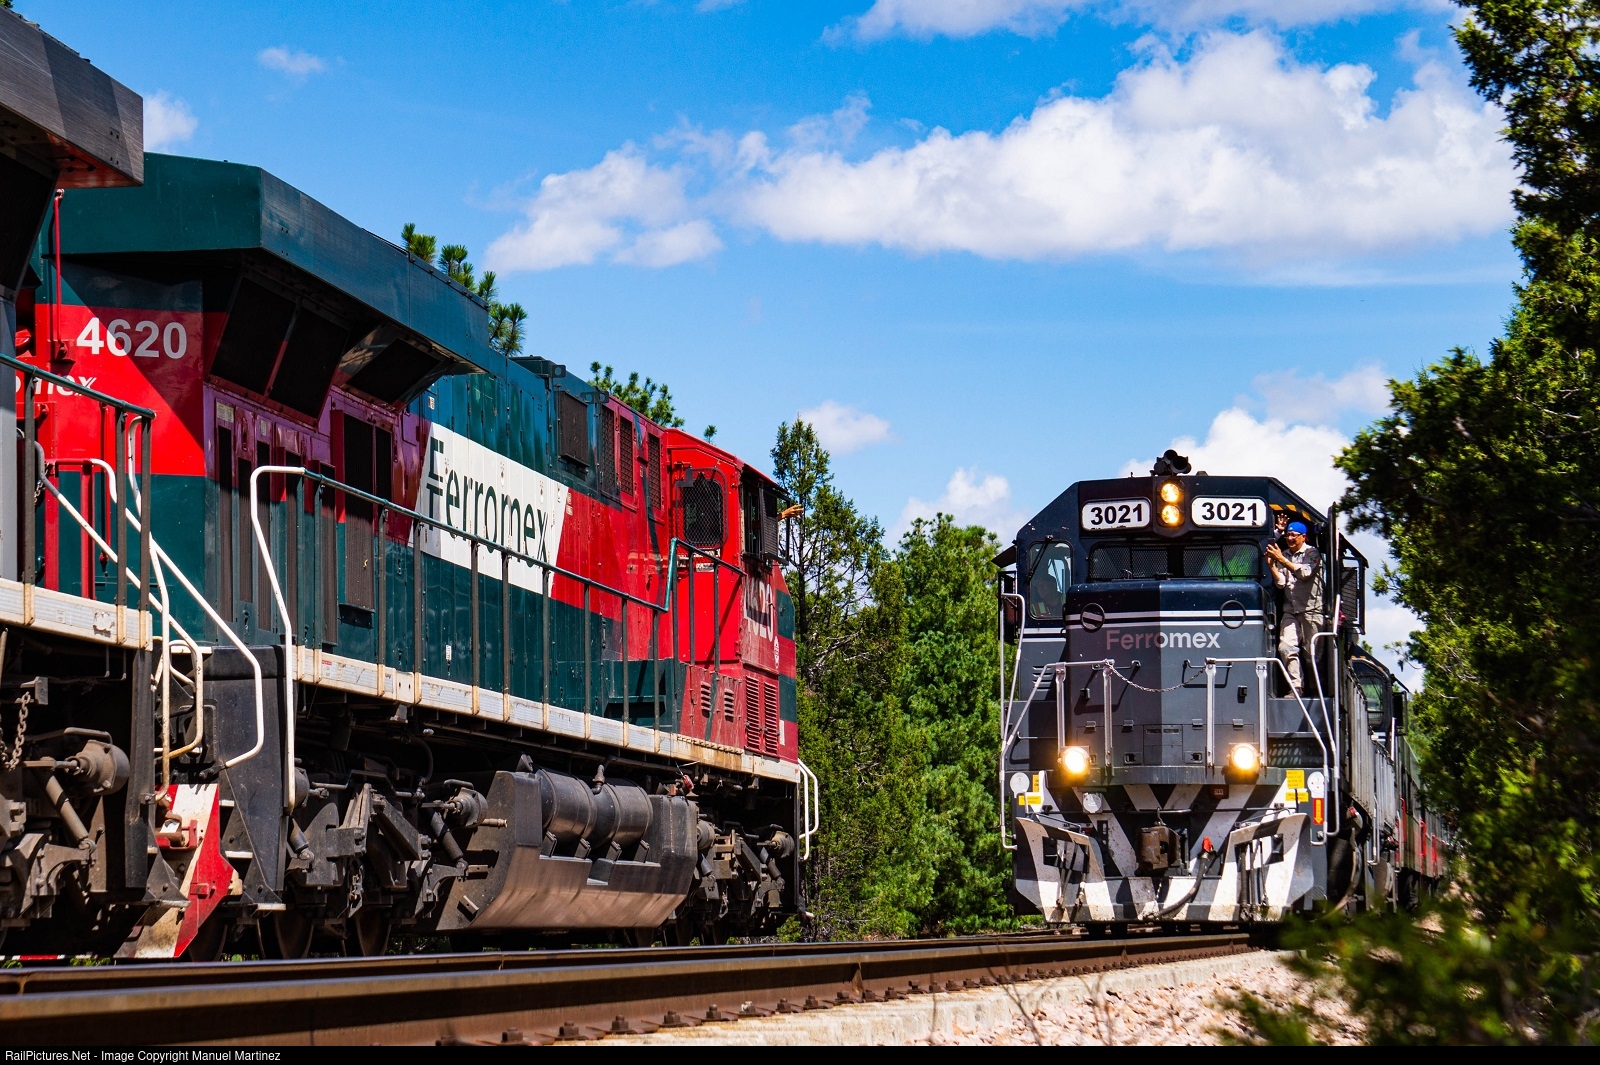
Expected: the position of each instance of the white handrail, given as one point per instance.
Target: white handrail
(291, 672)
(810, 808)
(1260, 663)
(160, 556)
(162, 602)
(1059, 671)
(1001, 627)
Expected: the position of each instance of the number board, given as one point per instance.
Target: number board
(1117, 514)
(1228, 512)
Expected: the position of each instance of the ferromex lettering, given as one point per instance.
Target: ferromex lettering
(1132, 641)
(478, 492)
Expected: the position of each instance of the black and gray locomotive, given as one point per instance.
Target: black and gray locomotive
(1157, 763)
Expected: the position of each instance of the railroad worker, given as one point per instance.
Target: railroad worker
(1298, 571)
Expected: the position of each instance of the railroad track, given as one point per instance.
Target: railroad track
(533, 996)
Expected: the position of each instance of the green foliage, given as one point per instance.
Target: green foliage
(418, 244)
(1426, 979)
(865, 877)
(950, 694)
(505, 319)
(505, 325)
(1484, 480)
(899, 719)
(649, 399)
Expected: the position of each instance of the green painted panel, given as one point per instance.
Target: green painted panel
(202, 206)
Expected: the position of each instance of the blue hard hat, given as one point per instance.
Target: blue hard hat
(1297, 527)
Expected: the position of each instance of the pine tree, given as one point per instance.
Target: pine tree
(869, 874)
(505, 319)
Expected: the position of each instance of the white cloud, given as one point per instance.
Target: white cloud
(1239, 148)
(958, 18)
(668, 247)
(924, 19)
(1238, 152)
(623, 206)
(843, 429)
(1291, 397)
(167, 121)
(295, 64)
(1301, 456)
(971, 499)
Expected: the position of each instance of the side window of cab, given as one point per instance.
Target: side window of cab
(1049, 576)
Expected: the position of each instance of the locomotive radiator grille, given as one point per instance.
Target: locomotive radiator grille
(752, 714)
(769, 717)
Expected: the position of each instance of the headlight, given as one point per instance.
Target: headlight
(1075, 760)
(1244, 759)
(1172, 492)
(1171, 514)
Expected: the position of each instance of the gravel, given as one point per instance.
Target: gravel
(1155, 1005)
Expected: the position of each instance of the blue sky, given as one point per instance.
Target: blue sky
(991, 246)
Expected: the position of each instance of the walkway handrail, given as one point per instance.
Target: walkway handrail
(125, 411)
(1263, 664)
(810, 807)
(1005, 744)
(1058, 670)
(163, 559)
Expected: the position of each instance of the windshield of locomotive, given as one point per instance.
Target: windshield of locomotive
(1125, 561)
(1051, 567)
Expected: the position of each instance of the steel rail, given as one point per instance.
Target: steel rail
(529, 997)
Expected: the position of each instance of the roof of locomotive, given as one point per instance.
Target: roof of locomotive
(199, 208)
(64, 113)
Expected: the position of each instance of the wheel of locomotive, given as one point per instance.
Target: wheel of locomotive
(367, 933)
(287, 935)
(209, 942)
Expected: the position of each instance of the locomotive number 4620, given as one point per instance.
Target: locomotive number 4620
(1117, 514)
(145, 338)
(1235, 512)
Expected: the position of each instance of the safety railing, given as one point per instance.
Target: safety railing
(1058, 672)
(1005, 744)
(810, 808)
(477, 546)
(1262, 667)
(125, 416)
(132, 432)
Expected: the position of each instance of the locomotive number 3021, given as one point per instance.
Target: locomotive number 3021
(1117, 514)
(1236, 512)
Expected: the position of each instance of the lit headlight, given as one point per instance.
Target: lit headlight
(1244, 759)
(1172, 514)
(1172, 492)
(1075, 760)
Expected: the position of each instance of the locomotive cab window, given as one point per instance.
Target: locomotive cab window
(1228, 561)
(1050, 574)
(759, 505)
(1373, 694)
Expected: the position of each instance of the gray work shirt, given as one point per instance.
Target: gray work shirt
(1301, 580)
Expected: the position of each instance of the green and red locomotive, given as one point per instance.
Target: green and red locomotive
(320, 619)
